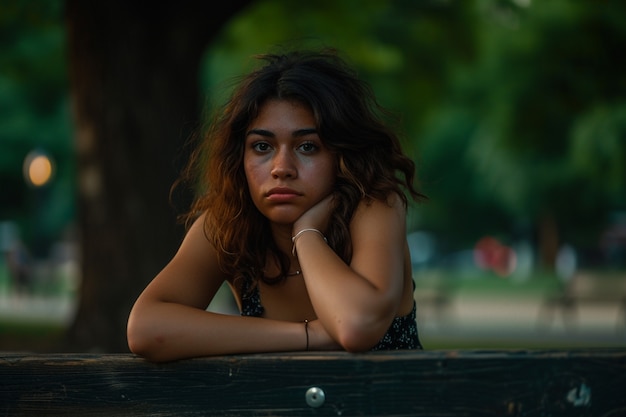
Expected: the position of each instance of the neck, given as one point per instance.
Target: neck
(282, 237)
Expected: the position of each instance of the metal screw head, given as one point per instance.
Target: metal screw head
(315, 397)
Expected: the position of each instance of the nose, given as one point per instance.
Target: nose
(283, 165)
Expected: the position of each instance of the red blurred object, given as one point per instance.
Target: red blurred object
(490, 254)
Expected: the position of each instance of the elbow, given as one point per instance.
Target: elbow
(137, 339)
(143, 342)
(142, 347)
(359, 337)
(354, 346)
(136, 343)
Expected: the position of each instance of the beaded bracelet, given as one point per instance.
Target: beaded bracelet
(297, 235)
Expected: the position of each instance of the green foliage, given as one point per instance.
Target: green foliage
(513, 110)
(511, 107)
(540, 75)
(598, 148)
(34, 114)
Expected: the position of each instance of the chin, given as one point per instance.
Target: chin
(283, 217)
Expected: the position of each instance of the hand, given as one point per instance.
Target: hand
(316, 217)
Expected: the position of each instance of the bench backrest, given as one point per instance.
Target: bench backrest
(444, 383)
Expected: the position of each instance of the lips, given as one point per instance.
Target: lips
(281, 194)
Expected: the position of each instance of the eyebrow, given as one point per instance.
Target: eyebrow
(269, 134)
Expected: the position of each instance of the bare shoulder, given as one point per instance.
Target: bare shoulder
(193, 275)
(378, 235)
(369, 210)
(196, 238)
(381, 221)
(197, 252)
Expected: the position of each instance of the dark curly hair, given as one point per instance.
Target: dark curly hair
(350, 122)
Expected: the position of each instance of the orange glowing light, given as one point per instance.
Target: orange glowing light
(38, 169)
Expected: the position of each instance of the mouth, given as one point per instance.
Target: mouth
(282, 194)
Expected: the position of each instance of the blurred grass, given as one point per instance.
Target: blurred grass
(37, 336)
(605, 322)
(485, 284)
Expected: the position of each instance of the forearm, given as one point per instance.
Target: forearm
(354, 311)
(163, 331)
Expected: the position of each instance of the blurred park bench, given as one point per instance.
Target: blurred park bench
(584, 289)
(400, 383)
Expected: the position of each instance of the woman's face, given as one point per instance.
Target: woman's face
(287, 166)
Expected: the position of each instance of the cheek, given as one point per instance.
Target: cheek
(251, 172)
(252, 186)
(254, 190)
(329, 179)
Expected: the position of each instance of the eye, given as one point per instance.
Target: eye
(308, 147)
(261, 146)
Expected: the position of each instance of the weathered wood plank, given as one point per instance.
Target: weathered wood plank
(436, 383)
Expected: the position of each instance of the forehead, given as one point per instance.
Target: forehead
(285, 113)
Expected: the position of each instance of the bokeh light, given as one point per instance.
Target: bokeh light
(38, 168)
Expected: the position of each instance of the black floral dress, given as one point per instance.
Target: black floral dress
(402, 334)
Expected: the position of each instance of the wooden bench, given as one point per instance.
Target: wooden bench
(402, 383)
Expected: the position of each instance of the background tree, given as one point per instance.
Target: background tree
(546, 76)
(134, 85)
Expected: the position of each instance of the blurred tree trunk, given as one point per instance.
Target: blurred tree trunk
(548, 241)
(135, 95)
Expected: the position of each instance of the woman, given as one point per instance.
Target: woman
(301, 210)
